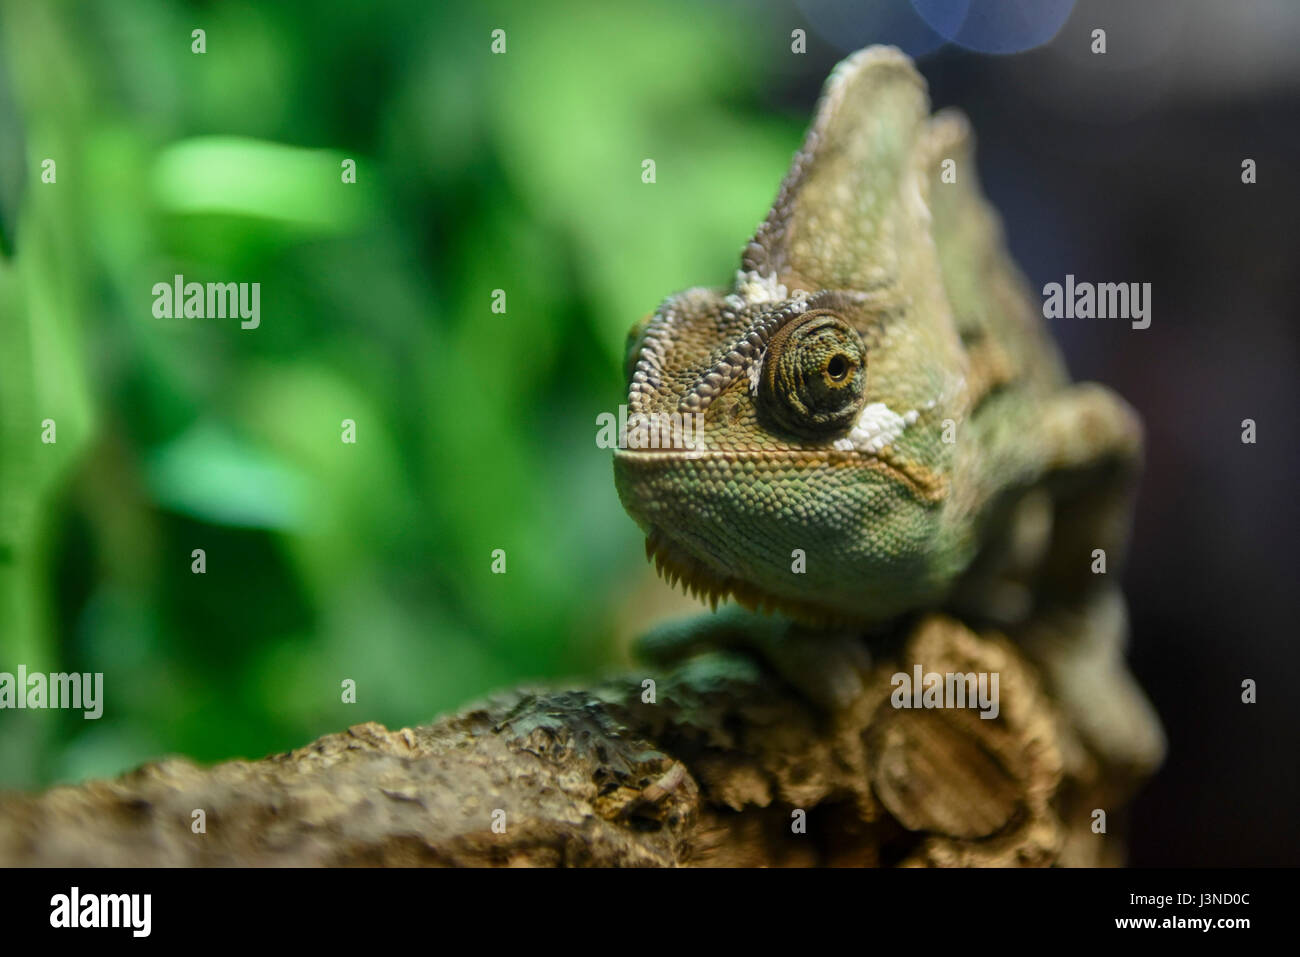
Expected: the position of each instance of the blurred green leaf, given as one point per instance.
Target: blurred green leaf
(475, 429)
(226, 174)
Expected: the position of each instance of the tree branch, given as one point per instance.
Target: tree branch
(713, 772)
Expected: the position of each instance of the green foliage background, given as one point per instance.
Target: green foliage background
(475, 431)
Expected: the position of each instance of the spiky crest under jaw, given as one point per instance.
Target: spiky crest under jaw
(676, 565)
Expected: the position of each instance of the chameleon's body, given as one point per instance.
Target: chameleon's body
(887, 427)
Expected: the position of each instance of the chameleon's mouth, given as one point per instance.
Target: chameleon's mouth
(923, 483)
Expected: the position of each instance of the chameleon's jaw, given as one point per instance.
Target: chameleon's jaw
(733, 525)
(676, 565)
(637, 474)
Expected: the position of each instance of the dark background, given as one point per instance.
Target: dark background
(1127, 167)
(522, 172)
(1139, 179)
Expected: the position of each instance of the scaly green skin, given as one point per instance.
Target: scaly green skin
(887, 427)
(889, 516)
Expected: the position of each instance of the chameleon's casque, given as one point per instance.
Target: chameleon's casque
(886, 425)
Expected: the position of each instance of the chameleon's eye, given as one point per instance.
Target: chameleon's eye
(815, 375)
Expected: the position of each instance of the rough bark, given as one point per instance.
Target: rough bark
(713, 772)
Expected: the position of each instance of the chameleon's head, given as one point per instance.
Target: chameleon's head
(766, 462)
(784, 440)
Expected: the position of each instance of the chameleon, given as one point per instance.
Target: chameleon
(886, 426)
